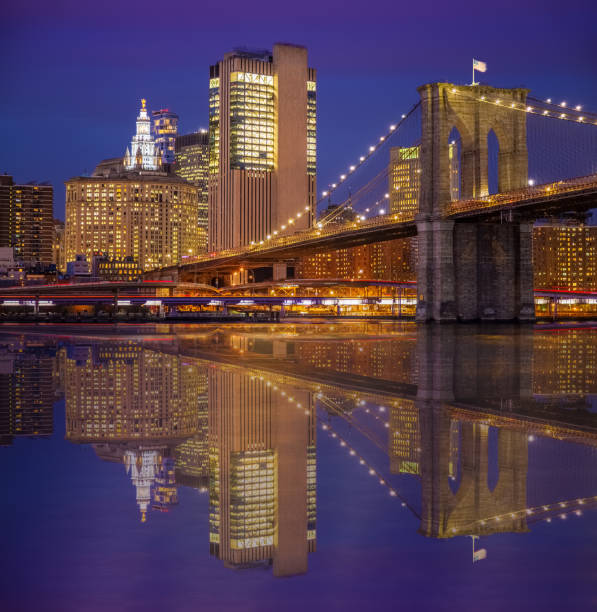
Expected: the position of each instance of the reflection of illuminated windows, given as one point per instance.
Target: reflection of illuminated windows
(405, 438)
(214, 496)
(252, 499)
(311, 493)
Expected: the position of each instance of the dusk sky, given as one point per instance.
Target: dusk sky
(74, 72)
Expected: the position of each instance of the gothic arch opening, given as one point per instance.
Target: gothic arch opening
(493, 467)
(493, 154)
(454, 157)
(454, 462)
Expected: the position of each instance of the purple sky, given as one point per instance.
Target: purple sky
(73, 72)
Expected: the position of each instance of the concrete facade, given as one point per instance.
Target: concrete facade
(470, 271)
(262, 114)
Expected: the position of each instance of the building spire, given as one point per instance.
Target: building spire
(142, 144)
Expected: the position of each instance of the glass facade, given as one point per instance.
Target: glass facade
(252, 121)
(405, 179)
(192, 164)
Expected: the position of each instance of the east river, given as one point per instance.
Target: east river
(308, 466)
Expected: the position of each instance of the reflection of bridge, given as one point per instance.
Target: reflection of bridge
(474, 251)
(442, 427)
(436, 402)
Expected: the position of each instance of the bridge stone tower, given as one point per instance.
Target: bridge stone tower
(469, 271)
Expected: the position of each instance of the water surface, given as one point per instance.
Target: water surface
(356, 466)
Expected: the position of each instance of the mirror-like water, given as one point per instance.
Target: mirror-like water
(357, 466)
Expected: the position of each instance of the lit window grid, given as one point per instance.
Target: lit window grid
(149, 222)
(252, 125)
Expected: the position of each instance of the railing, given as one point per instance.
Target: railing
(528, 193)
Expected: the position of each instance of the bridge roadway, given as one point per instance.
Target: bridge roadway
(578, 194)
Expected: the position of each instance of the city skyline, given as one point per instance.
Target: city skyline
(365, 109)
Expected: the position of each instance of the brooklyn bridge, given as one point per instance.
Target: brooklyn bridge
(473, 230)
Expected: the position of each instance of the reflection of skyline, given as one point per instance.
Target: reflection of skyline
(26, 390)
(245, 432)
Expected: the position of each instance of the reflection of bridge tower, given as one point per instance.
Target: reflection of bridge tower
(262, 481)
(456, 497)
(467, 270)
(468, 510)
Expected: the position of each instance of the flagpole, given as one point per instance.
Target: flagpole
(473, 83)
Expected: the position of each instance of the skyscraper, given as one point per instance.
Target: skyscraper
(192, 164)
(26, 223)
(165, 129)
(142, 154)
(262, 134)
(405, 179)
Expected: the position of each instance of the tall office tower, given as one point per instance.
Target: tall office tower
(142, 154)
(26, 392)
(149, 216)
(26, 213)
(192, 164)
(262, 136)
(165, 129)
(565, 257)
(262, 472)
(405, 179)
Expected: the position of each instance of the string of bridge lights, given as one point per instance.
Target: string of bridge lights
(352, 452)
(556, 113)
(370, 151)
(535, 510)
(340, 439)
(564, 506)
(343, 177)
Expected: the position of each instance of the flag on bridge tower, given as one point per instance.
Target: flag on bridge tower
(480, 67)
